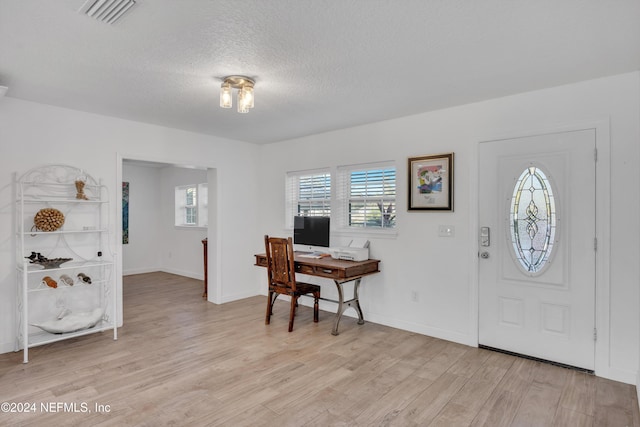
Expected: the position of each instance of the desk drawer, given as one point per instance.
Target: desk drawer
(330, 268)
(314, 270)
(361, 269)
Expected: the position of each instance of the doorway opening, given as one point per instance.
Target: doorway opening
(165, 232)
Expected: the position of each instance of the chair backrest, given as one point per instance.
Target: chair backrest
(280, 262)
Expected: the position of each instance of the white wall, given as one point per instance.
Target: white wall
(155, 243)
(34, 134)
(142, 253)
(181, 251)
(444, 270)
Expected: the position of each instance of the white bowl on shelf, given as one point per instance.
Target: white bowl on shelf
(72, 322)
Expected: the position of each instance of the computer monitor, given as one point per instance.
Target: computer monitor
(311, 231)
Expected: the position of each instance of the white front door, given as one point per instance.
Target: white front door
(537, 246)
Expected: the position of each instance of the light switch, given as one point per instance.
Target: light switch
(446, 230)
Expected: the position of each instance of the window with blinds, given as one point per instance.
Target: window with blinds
(191, 205)
(308, 194)
(368, 195)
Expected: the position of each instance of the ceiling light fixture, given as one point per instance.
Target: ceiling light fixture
(244, 85)
(108, 11)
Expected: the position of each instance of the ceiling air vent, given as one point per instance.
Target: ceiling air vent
(107, 11)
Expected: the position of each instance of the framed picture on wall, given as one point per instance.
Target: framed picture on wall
(431, 182)
(125, 213)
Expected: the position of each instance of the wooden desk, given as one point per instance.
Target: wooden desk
(341, 272)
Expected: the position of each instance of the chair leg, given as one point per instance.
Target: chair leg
(292, 311)
(270, 301)
(316, 307)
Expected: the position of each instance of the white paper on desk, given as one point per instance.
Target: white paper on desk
(359, 243)
(311, 255)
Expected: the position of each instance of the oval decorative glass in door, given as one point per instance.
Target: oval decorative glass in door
(532, 220)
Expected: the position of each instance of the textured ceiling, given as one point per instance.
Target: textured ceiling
(319, 65)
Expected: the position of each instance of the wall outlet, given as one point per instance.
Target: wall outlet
(446, 230)
(414, 296)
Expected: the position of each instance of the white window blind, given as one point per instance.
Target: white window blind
(367, 195)
(308, 193)
(191, 205)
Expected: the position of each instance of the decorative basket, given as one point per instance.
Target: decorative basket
(48, 219)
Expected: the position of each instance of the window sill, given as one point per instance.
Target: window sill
(359, 232)
(191, 227)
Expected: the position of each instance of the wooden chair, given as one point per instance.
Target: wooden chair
(282, 278)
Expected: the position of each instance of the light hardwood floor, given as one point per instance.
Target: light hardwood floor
(182, 361)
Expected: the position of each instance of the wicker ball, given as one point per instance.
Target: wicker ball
(48, 219)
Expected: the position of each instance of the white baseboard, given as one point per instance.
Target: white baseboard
(638, 388)
(430, 331)
(398, 324)
(236, 297)
(133, 271)
(620, 375)
(191, 275)
(7, 347)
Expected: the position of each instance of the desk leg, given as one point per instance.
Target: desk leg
(356, 299)
(343, 305)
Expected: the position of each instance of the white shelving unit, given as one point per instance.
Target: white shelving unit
(84, 237)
